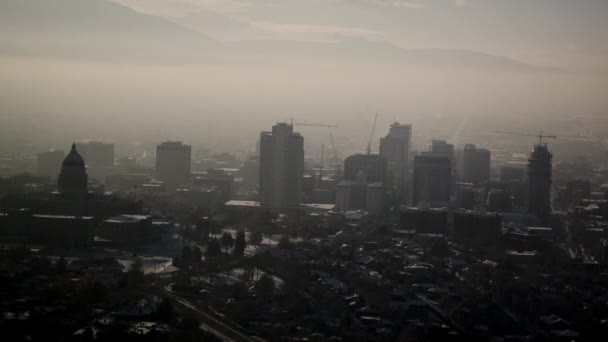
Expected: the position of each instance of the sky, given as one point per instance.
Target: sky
(219, 71)
(561, 33)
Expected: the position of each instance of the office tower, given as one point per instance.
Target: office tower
(72, 180)
(173, 163)
(373, 166)
(441, 148)
(281, 167)
(432, 180)
(476, 164)
(100, 159)
(49, 163)
(395, 148)
(539, 182)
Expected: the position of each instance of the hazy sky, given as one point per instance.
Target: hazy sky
(565, 33)
(214, 71)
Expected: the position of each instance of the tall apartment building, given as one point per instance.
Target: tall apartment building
(476, 166)
(281, 167)
(395, 148)
(173, 163)
(539, 182)
(432, 180)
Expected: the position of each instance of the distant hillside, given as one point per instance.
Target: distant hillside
(104, 30)
(93, 29)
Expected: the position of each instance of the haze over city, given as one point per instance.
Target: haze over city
(303, 170)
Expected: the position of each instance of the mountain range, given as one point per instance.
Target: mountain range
(106, 31)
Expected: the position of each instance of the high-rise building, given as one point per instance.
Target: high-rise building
(72, 180)
(441, 148)
(173, 163)
(476, 164)
(281, 167)
(99, 157)
(432, 180)
(373, 166)
(49, 163)
(395, 148)
(539, 182)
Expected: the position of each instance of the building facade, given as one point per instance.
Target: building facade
(395, 148)
(432, 180)
(373, 166)
(173, 163)
(539, 182)
(73, 178)
(281, 167)
(476, 168)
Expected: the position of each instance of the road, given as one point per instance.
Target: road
(212, 324)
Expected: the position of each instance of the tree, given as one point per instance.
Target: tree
(61, 265)
(165, 310)
(256, 238)
(284, 243)
(227, 240)
(240, 244)
(135, 276)
(197, 256)
(213, 249)
(264, 287)
(184, 259)
(202, 230)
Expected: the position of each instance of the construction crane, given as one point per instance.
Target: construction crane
(331, 136)
(540, 136)
(313, 125)
(371, 136)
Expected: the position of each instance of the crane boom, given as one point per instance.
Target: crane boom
(314, 125)
(540, 136)
(371, 136)
(329, 127)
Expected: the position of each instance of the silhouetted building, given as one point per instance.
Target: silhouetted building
(440, 148)
(395, 148)
(72, 180)
(499, 201)
(432, 180)
(476, 166)
(360, 194)
(539, 182)
(173, 163)
(48, 164)
(281, 167)
(24, 226)
(477, 224)
(372, 165)
(466, 195)
(577, 190)
(424, 221)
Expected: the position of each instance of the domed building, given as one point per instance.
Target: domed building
(72, 181)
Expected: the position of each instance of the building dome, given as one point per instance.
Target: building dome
(72, 180)
(73, 158)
